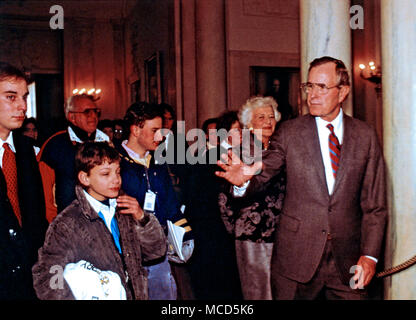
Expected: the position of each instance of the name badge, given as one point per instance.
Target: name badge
(149, 201)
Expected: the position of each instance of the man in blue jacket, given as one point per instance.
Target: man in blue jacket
(151, 185)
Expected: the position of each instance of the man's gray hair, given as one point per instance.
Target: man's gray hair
(342, 73)
(70, 102)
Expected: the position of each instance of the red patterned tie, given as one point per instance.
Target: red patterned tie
(334, 149)
(10, 174)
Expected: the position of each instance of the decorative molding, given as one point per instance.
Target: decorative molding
(258, 58)
(34, 50)
(272, 8)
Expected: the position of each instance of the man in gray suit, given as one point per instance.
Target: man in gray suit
(334, 214)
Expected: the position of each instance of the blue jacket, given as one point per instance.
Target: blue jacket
(134, 183)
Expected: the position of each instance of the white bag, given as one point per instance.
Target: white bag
(90, 283)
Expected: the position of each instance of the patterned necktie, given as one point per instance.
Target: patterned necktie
(334, 149)
(10, 174)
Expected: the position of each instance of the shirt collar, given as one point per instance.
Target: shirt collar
(99, 136)
(145, 161)
(9, 141)
(337, 122)
(100, 207)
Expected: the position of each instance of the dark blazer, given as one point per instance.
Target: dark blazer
(19, 245)
(213, 265)
(175, 158)
(354, 216)
(58, 153)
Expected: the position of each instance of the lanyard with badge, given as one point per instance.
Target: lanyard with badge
(150, 197)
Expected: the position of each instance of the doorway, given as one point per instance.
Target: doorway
(49, 104)
(279, 82)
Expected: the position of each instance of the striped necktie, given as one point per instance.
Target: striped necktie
(10, 175)
(334, 150)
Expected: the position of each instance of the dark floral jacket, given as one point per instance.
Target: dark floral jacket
(254, 218)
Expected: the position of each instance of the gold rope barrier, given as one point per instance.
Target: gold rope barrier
(397, 268)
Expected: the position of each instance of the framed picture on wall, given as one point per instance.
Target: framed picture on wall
(282, 83)
(135, 91)
(153, 81)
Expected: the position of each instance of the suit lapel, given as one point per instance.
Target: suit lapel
(313, 149)
(20, 166)
(347, 148)
(3, 185)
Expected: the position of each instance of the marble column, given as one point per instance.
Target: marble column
(188, 64)
(210, 58)
(325, 31)
(398, 29)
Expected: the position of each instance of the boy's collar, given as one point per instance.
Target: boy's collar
(106, 202)
(86, 207)
(99, 205)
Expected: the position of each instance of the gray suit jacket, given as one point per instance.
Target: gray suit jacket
(354, 215)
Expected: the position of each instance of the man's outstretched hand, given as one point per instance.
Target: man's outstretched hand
(235, 171)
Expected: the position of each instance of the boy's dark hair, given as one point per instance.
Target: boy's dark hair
(92, 154)
(141, 111)
(9, 71)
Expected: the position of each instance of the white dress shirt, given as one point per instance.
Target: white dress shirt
(107, 211)
(323, 133)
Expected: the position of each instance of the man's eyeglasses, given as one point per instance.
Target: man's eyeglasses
(320, 87)
(87, 112)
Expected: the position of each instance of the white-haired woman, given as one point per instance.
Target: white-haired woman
(252, 220)
(260, 115)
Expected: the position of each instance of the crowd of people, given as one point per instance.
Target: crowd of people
(92, 212)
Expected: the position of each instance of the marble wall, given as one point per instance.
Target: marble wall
(399, 123)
